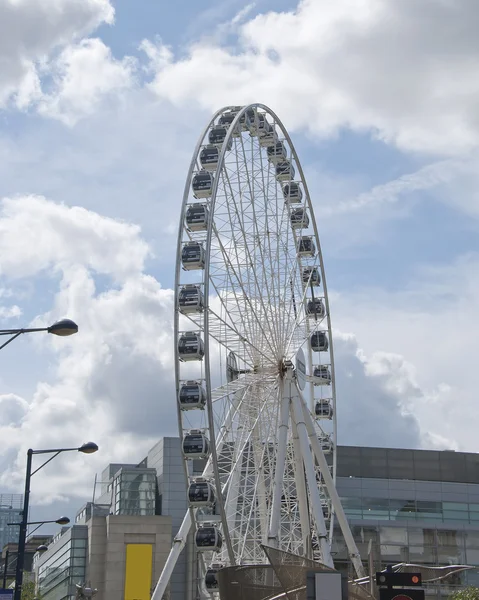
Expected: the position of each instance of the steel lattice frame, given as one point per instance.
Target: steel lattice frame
(273, 482)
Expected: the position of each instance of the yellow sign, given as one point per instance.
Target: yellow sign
(139, 563)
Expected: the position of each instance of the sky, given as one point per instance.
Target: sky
(101, 105)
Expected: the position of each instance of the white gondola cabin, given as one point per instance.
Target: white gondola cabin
(217, 136)
(299, 218)
(192, 395)
(292, 192)
(201, 493)
(321, 375)
(306, 246)
(211, 580)
(197, 217)
(227, 118)
(190, 346)
(311, 276)
(316, 308)
(208, 538)
(193, 256)
(190, 299)
(319, 341)
(284, 171)
(202, 184)
(276, 153)
(264, 127)
(209, 157)
(196, 444)
(326, 444)
(323, 409)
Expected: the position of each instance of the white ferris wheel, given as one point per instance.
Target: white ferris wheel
(254, 354)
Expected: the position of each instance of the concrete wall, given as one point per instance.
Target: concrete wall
(108, 538)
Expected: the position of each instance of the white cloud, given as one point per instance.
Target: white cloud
(31, 29)
(405, 71)
(84, 75)
(427, 331)
(111, 382)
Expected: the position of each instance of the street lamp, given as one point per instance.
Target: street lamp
(88, 448)
(62, 328)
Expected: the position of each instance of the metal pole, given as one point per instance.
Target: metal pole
(22, 536)
(5, 569)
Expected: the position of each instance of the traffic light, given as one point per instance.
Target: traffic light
(398, 579)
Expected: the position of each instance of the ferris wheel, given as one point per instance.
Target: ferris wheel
(254, 357)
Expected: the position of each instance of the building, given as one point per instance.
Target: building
(416, 506)
(128, 527)
(11, 506)
(8, 563)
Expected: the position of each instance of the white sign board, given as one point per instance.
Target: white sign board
(328, 585)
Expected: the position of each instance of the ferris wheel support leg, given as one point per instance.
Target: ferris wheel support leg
(178, 544)
(301, 493)
(274, 522)
(299, 419)
(353, 551)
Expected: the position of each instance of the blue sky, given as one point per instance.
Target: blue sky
(101, 109)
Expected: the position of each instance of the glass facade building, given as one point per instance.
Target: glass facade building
(66, 565)
(10, 512)
(415, 506)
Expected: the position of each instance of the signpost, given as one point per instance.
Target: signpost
(6, 594)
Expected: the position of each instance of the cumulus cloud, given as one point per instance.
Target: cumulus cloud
(30, 30)
(112, 382)
(427, 332)
(83, 76)
(373, 398)
(404, 71)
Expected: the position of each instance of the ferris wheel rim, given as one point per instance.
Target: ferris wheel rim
(206, 278)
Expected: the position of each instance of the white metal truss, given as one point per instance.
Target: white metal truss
(269, 415)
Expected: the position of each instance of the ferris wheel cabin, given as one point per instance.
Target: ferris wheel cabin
(321, 375)
(311, 276)
(197, 217)
(284, 171)
(190, 346)
(209, 157)
(299, 218)
(326, 444)
(201, 493)
(196, 444)
(211, 581)
(292, 192)
(319, 341)
(208, 538)
(192, 395)
(217, 136)
(202, 184)
(323, 409)
(193, 256)
(262, 127)
(190, 299)
(316, 308)
(306, 246)
(276, 153)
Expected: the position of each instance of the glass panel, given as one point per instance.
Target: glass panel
(450, 515)
(454, 506)
(419, 536)
(472, 541)
(394, 553)
(393, 535)
(450, 537)
(422, 554)
(451, 555)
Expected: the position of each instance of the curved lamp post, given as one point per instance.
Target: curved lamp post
(62, 328)
(88, 448)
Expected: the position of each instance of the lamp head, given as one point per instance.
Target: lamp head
(63, 521)
(88, 448)
(63, 327)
